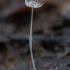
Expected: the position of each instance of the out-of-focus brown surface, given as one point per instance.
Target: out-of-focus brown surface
(51, 35)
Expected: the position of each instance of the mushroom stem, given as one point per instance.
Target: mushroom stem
(30, 40)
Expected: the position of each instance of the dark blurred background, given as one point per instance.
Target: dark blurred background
(51, 32)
